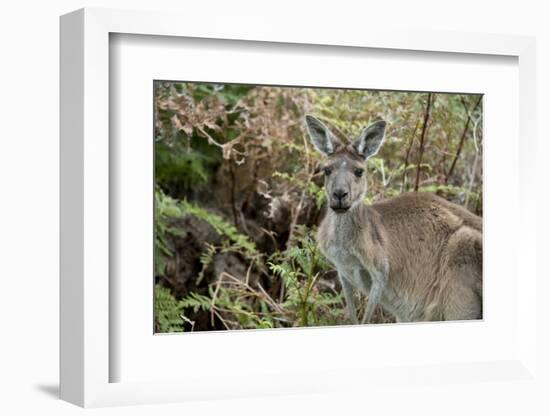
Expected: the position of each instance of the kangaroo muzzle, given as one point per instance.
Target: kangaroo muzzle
(340, 201)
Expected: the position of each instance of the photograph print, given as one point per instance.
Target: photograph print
(291, 207)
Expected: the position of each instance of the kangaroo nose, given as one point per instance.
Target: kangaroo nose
(339, 194)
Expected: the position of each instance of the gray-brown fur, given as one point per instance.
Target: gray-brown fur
(417, 255)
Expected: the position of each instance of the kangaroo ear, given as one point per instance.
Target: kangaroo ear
(321, 137)
(370, 139)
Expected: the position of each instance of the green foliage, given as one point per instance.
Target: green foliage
(222, 227)
(452, 192)
(168, 208)
(300, 267)
(179, 168)
(303, 302)
(165, 209)
(168, 311)
(196, 302)
(230, 93)
(207, 256)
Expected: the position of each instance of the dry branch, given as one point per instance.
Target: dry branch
(461, 143)
(406, 163)
(423, 137)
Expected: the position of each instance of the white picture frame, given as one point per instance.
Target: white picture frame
(85, 353)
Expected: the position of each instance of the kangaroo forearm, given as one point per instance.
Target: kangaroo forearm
(373, 301)
(348, 296)
(379, 283)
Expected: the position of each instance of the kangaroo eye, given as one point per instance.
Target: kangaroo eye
(327, 171)
(358, 172)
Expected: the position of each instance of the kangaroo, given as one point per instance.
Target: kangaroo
(417, 255)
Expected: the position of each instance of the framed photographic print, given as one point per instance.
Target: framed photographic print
(297, 213)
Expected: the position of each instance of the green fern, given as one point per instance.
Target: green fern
(206, 258)
(222, 227)
(168, 311)
(196, 302)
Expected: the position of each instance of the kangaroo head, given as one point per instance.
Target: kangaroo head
(344, 166)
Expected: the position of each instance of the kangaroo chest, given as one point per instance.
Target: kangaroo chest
(348, 264)
(342, 255)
